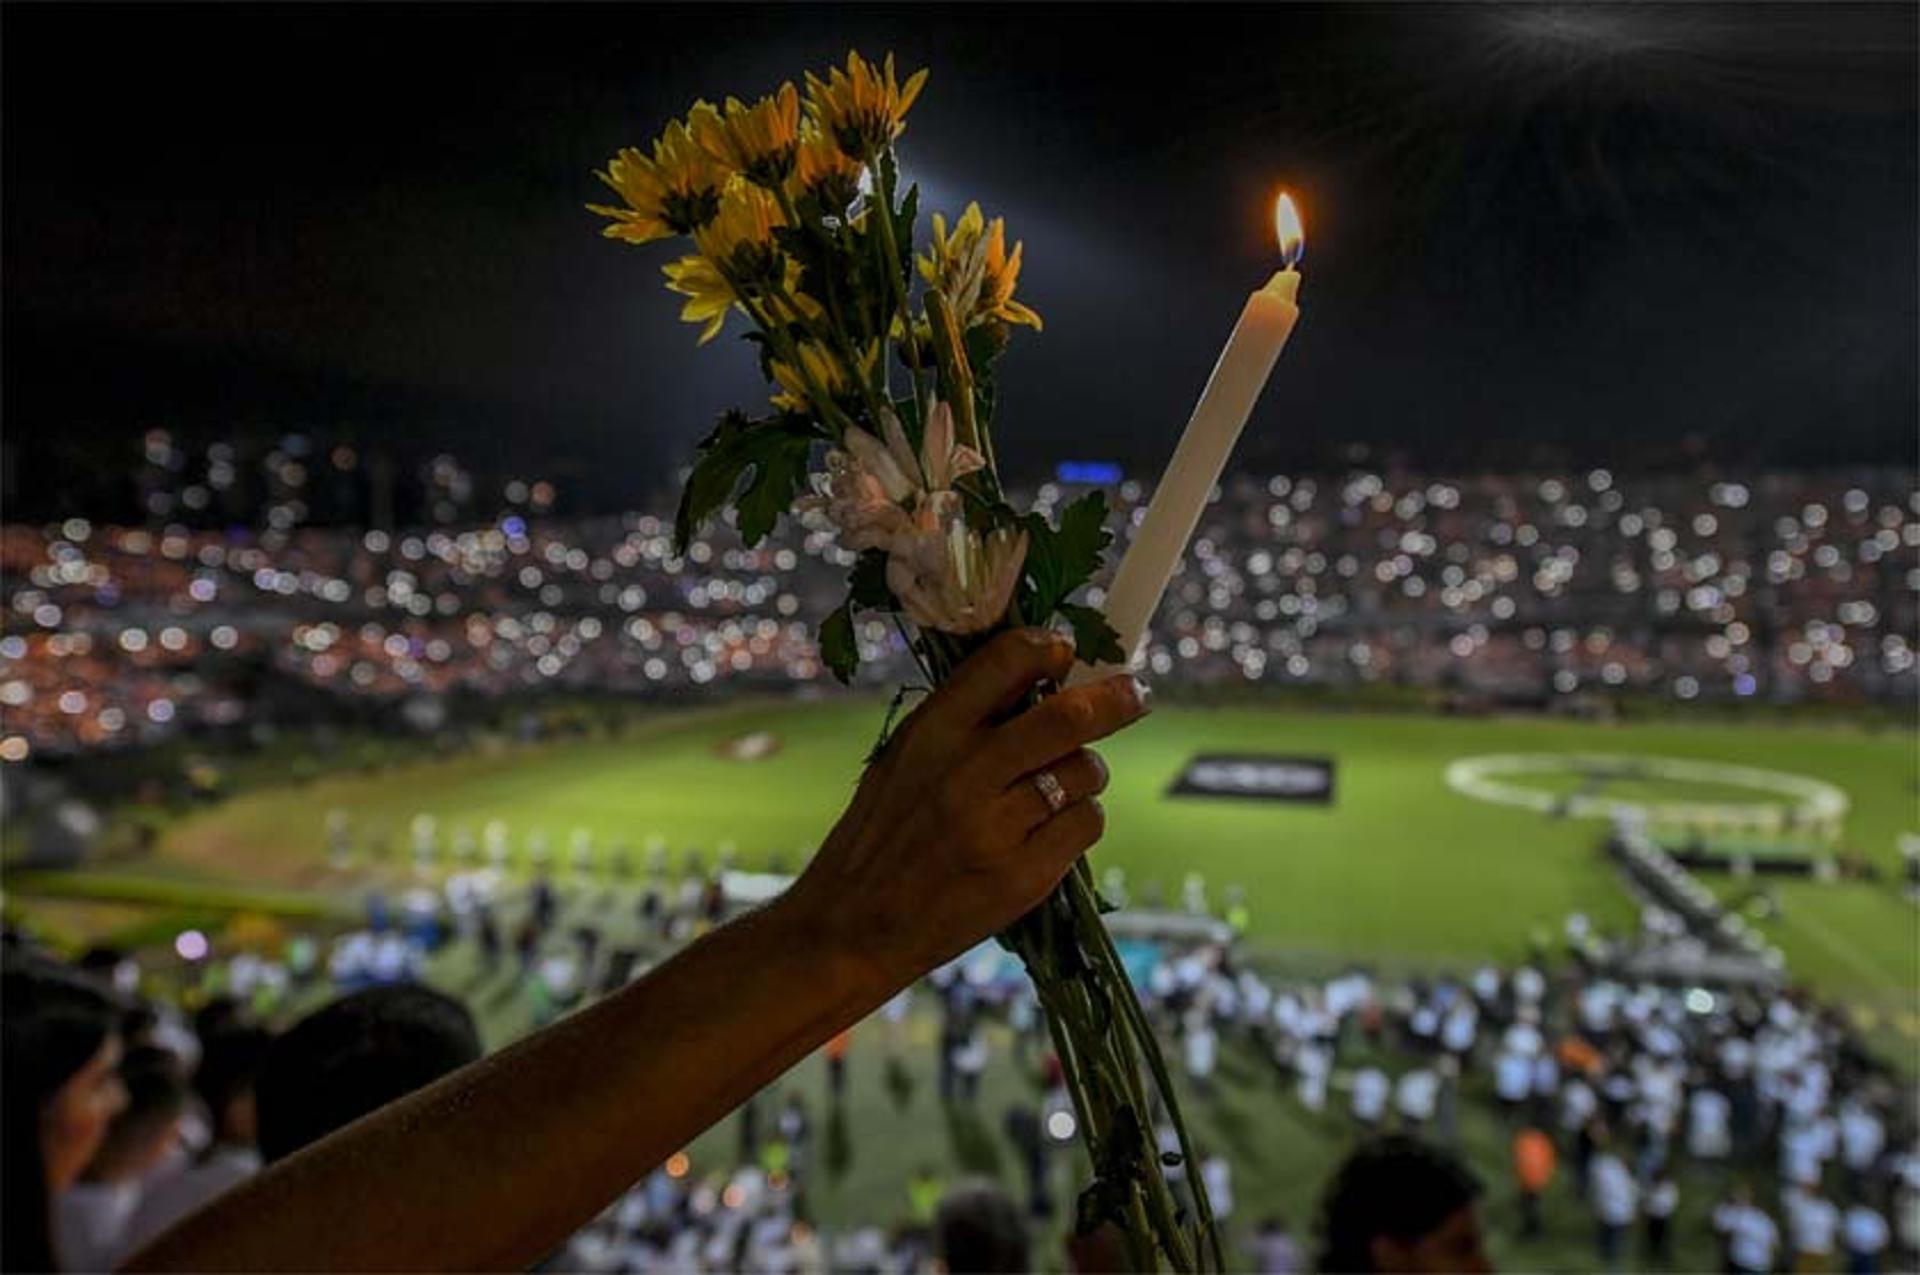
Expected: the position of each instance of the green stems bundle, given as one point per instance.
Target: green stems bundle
(800, 225)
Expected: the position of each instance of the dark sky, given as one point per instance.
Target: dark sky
(1620, 234)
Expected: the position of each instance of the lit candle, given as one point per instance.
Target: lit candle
(1202, 454)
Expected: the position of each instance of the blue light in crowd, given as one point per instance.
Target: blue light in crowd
(1098, 473)
(1745, 685)
(514, 525)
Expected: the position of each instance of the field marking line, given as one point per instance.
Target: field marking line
(1488, 777)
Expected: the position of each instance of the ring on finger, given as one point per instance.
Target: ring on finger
(1052, 790)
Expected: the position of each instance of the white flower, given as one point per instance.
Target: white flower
(951, 578)
(882, 495)
(857, 502)
(908, 479)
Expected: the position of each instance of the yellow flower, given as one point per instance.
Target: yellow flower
(709, 295)
(863, 108)
(823, 369)
(973, 267)
(824, 174)
(675, 192)
(757, 141)
(739, 238)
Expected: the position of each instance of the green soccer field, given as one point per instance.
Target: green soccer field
(1398, 869)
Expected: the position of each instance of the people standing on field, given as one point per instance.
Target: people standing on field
(1749, 1238)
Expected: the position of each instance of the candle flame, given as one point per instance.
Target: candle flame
(1286, 224)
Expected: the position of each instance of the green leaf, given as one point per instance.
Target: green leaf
(768, 456)
(779, 470)
(903, 232)
(1061, 560)
(1094, 640)
(839, 650)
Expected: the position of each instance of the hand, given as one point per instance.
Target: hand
(950, 836)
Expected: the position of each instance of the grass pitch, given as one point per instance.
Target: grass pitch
(1398, 869)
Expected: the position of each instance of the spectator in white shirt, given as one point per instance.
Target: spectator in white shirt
(1529, 986)
(1862, 1136)
(1749, 1234)
(1577, 1104)
(1218, 1176)
(1417, 1096)
(1813, 1224)
(1458, 1029)
(1805, 1148)
(1865, 1234)
(1616, 1199)
(1313, 1063)
(1371, 1090)
(1513, 1080)
(1709, 1135)
(1202, 1048)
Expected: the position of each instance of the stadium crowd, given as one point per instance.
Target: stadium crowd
(1608, 1088)
(1537, 588)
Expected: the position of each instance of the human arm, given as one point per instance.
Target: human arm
(946, 840)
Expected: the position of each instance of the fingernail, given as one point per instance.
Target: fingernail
(1143, 694)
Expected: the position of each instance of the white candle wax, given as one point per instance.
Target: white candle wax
(1197, 463)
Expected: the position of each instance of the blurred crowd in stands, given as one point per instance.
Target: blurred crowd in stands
(1541, 589)
(1619, 1097)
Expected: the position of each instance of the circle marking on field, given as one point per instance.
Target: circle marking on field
(1493, 778)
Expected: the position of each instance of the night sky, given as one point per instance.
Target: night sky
(1634, 236)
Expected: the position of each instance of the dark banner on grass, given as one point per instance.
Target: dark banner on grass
(1252, 775)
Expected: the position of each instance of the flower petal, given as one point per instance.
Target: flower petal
(874, 457)
(936, 448)
(899, 448)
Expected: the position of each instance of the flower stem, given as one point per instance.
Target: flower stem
(896, 280)
(1080, 883)
(783, 346)
(956, 374)
(835, 329)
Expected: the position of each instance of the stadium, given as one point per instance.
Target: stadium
(1541, 815)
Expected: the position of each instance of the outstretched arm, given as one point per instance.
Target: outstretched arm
(947, 840)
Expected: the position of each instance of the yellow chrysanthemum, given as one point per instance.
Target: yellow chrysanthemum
(709, 295)
(739, 238)
(823, 369)
(674, 192)
(824, 174)
(973, 267)
(757, 141)
(862, 108)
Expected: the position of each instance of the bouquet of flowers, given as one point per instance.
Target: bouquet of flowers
(881, 361)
